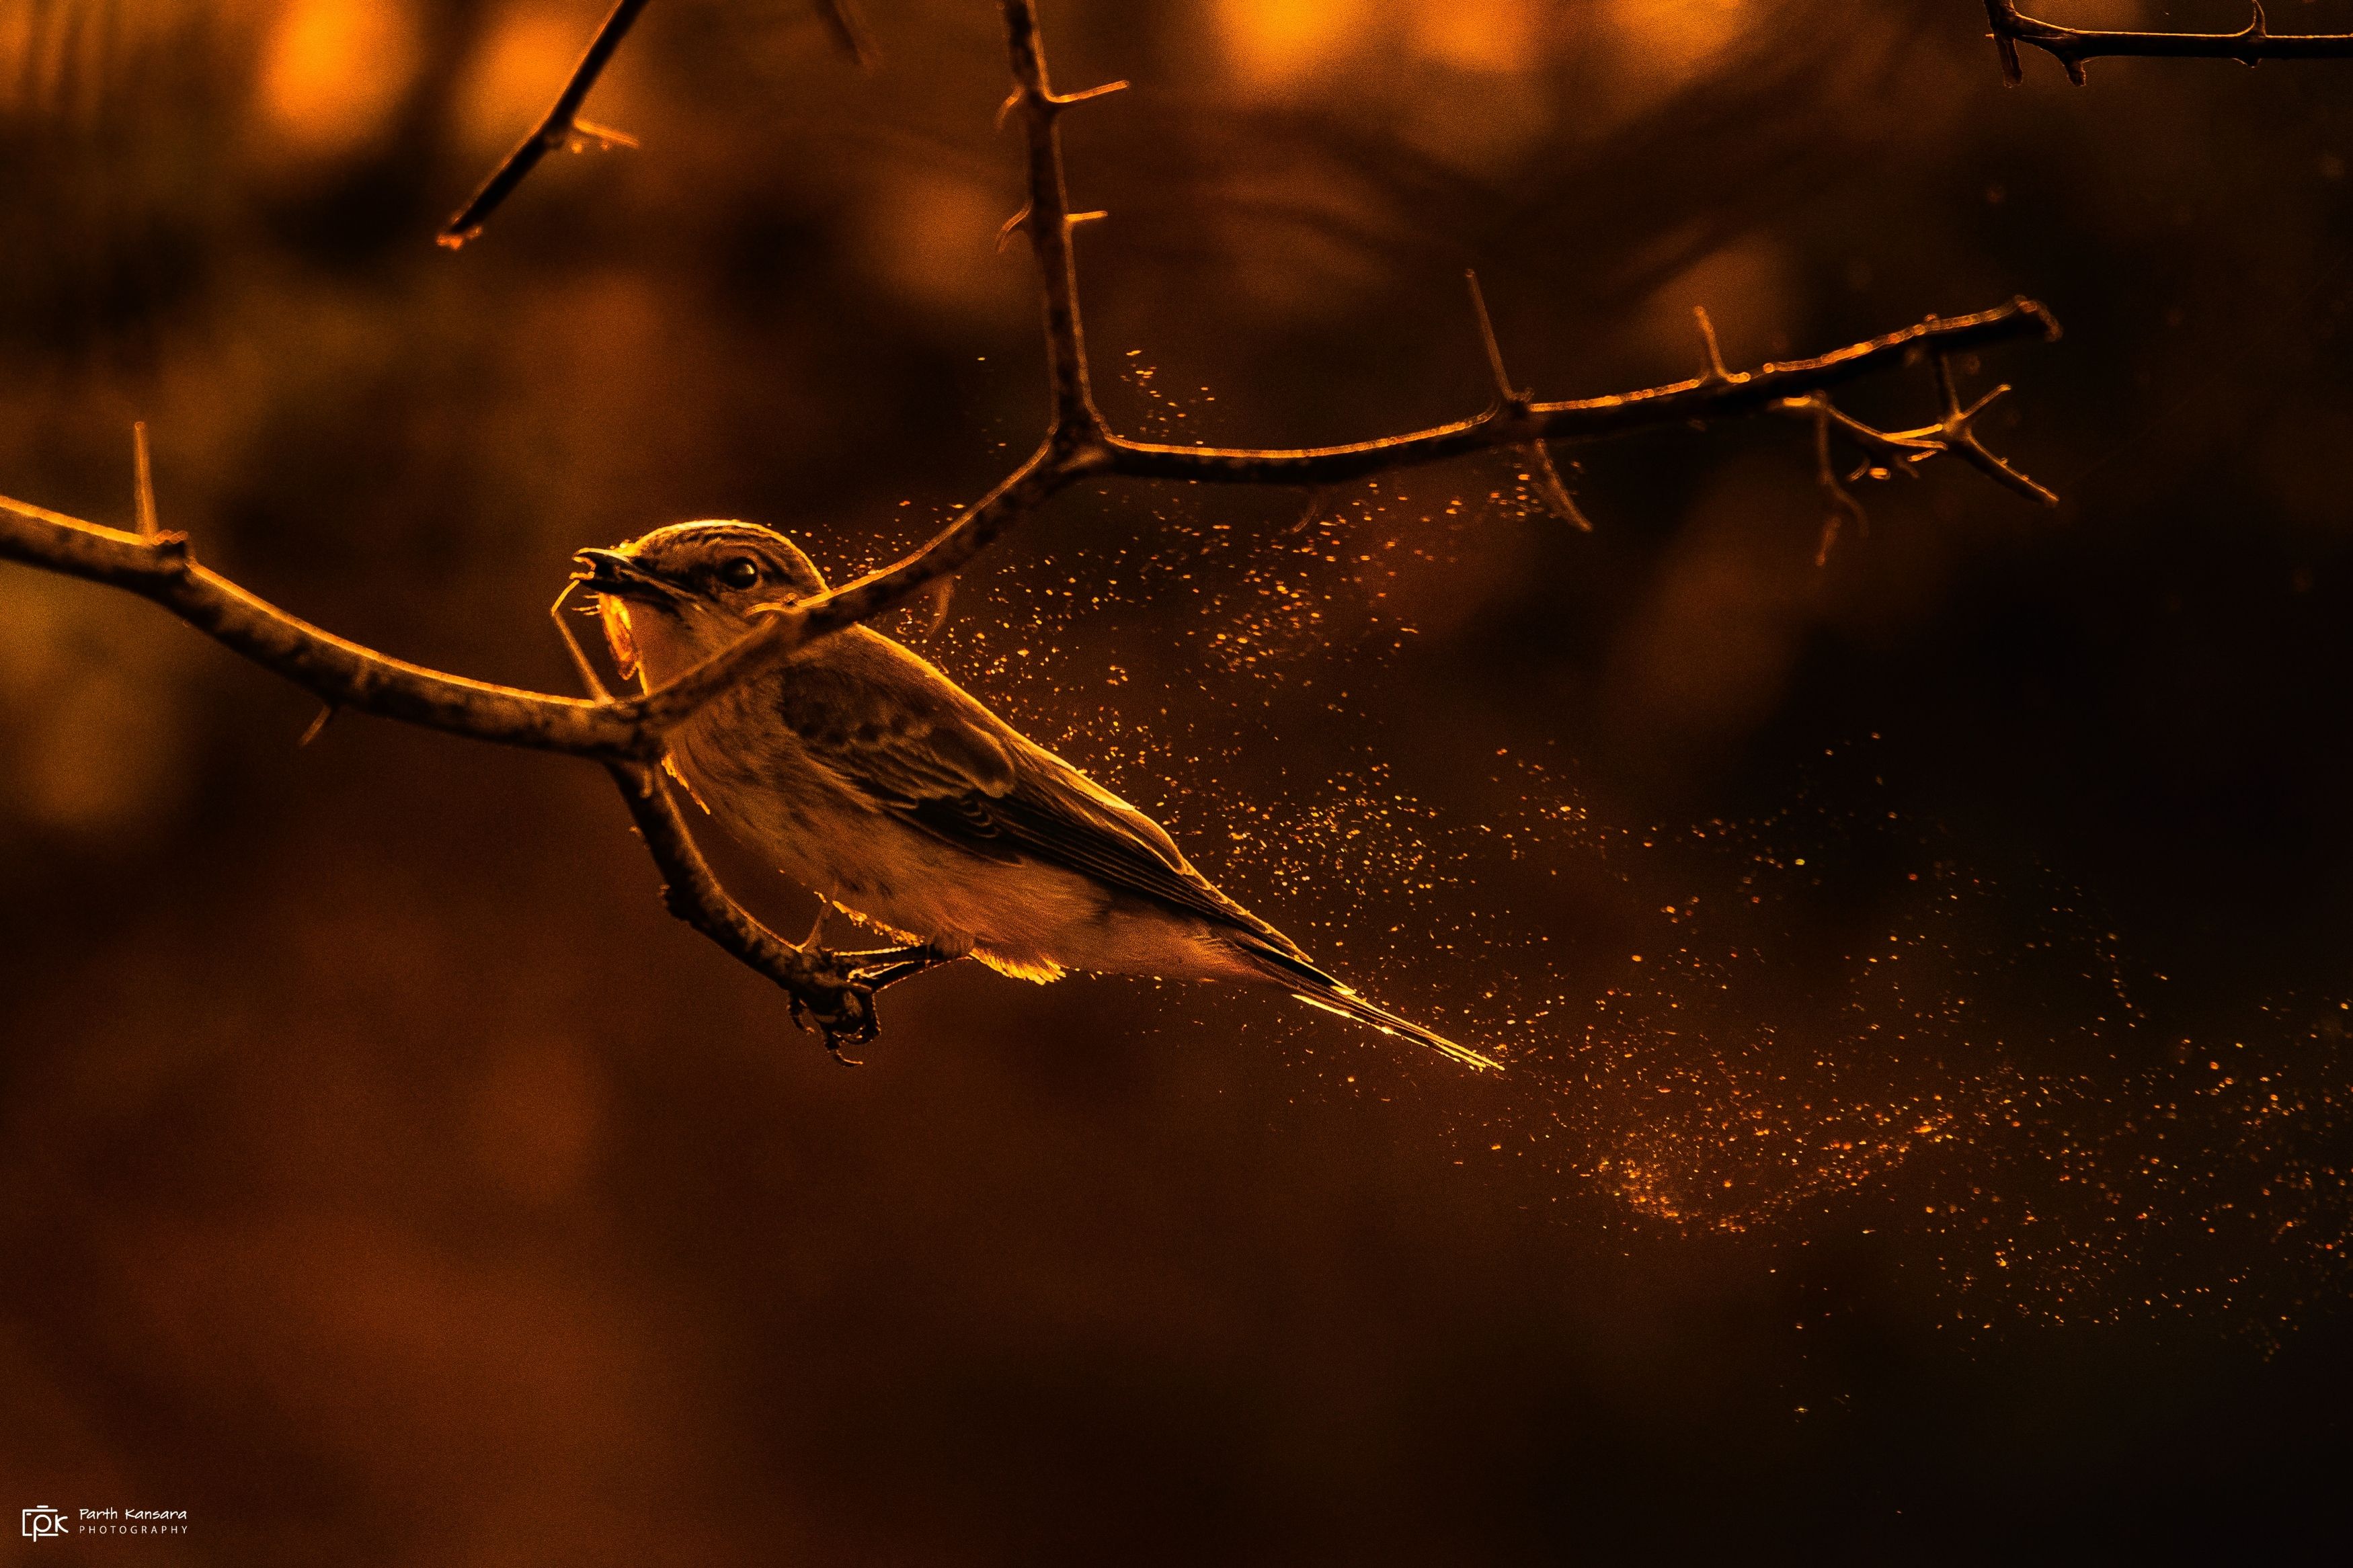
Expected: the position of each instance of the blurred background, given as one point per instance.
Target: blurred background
(1923, 970)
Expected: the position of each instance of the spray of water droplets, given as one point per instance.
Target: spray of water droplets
(1737, 1026)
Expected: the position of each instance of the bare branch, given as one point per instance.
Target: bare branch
(1708, 396)
(342, 673)
(2071, 46)
(1958, 434)
(1890, 452)
(1843, 506)
(1548, 477)
(555, 129)
(562, 126)
(1886, 453)
(1048, 220)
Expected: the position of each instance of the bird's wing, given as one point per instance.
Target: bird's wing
(889, 725)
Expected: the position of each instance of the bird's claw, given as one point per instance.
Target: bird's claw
(850, 1020)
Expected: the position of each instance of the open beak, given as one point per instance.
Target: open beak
(610, 572)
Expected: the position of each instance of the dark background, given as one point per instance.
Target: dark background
(1957, 1175)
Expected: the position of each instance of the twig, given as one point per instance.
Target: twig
(143, 480)
(1717, 393)
(1890, 452)
(1956, 434)
(563, 127)
(2071, 46)
(1048, 220)
(162, 568)
(628, 736)
(1844, 507)
(556, 128)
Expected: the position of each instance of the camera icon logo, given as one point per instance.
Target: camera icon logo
(41, 1521)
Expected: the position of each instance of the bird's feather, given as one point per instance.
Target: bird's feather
(922, 747)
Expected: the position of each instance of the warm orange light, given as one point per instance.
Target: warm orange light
(517, 72)
(1497, 36)
(1666, 41)
(929, 237)
(1276, 41)
(332, 71)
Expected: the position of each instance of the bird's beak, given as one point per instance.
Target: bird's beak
(610, 572)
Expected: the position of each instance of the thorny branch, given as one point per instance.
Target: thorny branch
(562, 126)
(2071, 46)
(627, 735)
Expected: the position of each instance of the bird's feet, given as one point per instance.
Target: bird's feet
(853, 1021)
(888, 965)
(850, 1021)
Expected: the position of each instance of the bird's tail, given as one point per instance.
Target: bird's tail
(1310, 984)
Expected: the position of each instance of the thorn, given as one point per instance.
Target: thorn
(1945, 388)
(1556, 494)
(1512, 399)
(584, 134)
(145, 479)
(1716, 368)
(1013, 226)
(1064, 100)
(1005, 110)
(824, 907)
(1980, 405)
(318, 726)
(1314, 514)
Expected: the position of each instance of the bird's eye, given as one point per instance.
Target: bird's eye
(741, 572)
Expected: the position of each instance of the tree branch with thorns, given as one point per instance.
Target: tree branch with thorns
(2251, 46)
(627, 735)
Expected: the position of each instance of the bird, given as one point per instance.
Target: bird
(863, 773)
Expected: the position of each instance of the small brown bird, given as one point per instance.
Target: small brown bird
(869, 777)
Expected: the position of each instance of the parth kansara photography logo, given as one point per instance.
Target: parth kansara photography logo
(42, 1522)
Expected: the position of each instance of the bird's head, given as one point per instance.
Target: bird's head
(679, 594)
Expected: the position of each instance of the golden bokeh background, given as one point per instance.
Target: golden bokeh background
(1923, 972)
